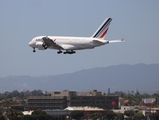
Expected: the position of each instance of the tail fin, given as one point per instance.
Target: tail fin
(102, 30)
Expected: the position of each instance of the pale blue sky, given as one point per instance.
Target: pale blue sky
(136, 21)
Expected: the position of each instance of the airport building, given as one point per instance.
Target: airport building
(61, 100)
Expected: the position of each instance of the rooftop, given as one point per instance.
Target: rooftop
(86, 108)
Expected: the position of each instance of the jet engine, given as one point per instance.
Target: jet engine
(41, 45)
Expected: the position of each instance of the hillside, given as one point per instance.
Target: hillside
(118, 78)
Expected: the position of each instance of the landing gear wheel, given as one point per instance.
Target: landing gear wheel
(69, 52)
(59, 52)
(45, 47)
(64, 52)
(34, 50)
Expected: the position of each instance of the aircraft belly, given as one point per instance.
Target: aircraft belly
(75, 46)
(83, 46)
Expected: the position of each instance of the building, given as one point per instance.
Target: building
(61, 100)
(149, 101)
(88, 111)
(121, 102)
(94, 101)
(47, 102)
(63, 93)
(124, 108)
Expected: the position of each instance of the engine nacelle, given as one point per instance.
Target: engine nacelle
(40, 45)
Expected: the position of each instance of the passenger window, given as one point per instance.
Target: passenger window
(38, 40)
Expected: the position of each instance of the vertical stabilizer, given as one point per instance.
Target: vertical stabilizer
(103, 29)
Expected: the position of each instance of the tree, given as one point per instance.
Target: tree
(15, 93)
(38, 117)
(2, 117)
(42, 117)
(111, 115)
(154, 116)
(120, 116)
(39, 112)
(2, 96)
(27, 117)
(129, 113)
(37, 93)
(15, 114)
(138, 116)
(96, 116)
(77, 114)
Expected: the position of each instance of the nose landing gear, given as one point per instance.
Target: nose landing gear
(34, 50)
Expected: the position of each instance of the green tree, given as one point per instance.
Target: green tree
(37, 93)
(77, 114)
(129, 113)
(154, 116)
(15, 114)
(40, 115)
(27, 117)
(138, 116)
(2, 96)
(15, 93)
(111, 115)
(96, 116)
(2, 117)
(120, 116)
(39, 112)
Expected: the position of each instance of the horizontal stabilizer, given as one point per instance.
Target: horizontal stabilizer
(98, 42)
(114, 41)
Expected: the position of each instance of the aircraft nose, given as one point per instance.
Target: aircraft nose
(30, 43)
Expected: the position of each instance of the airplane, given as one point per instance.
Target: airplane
(70, 44)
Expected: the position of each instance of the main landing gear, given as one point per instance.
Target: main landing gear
(67, 52)
(59, 52)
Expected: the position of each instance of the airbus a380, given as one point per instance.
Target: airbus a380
(70, 44)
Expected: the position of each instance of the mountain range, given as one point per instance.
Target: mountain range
(125, 77)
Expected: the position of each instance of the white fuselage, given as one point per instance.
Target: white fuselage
(70, 43)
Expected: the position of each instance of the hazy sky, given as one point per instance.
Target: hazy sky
(136, 21)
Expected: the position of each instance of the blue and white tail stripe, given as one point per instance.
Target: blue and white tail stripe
(102, 30)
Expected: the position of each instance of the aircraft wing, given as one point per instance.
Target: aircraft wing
(49, 42)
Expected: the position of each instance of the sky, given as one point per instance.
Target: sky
(20, 21)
